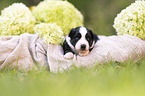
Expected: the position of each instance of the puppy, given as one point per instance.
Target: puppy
(80, 41)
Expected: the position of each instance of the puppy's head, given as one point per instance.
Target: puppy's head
(81, 40)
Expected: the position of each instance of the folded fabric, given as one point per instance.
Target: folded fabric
(111, 48)
(24, 52)
(27, 52)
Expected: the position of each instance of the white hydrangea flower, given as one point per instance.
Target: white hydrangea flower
(63, 13)
(131, 20)
(16, 19)
(50, 32)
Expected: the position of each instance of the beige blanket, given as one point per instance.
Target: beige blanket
(27, 52)
(24, 52)
(112, 48)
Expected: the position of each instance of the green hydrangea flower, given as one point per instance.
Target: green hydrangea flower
(131, 20)
(50, 32)
(16, 19)
(62, 13)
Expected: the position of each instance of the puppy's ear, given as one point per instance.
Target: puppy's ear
(94, 36)
(72, 32)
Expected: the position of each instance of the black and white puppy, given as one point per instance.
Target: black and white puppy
(80, 41)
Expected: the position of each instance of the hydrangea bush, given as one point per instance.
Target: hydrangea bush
(50, 32)
(54, 19)
(16, 19)
(63, 13)
(131, 20)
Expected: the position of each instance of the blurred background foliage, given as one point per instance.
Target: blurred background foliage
(98, 14)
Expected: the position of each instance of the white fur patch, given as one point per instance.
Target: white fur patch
(68, 55)
(69, 43)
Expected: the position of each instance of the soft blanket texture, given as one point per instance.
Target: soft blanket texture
(24, 52)
(27, 52)
(112, 48)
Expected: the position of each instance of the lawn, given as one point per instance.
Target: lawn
(110, 79)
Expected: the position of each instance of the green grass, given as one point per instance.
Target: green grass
(110, 79)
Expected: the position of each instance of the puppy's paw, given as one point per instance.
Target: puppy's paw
(69, 55)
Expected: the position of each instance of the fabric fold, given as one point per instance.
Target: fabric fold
(27, 52)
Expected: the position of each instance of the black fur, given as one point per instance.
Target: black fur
(66, 48)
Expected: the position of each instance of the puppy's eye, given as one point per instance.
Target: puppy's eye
(88, 38)
(76, 38)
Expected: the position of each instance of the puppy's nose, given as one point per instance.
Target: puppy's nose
(83, 46)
